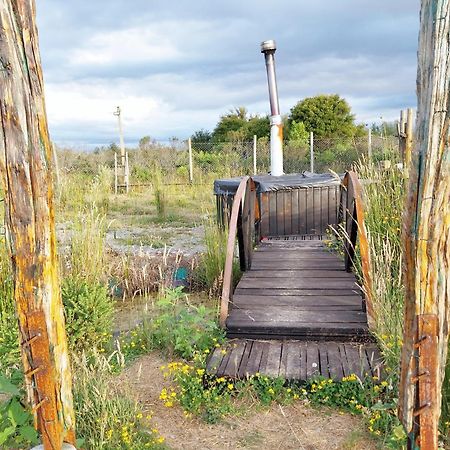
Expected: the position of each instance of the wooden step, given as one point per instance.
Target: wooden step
(295, 360)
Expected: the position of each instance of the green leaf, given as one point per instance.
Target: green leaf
(80, 442)
(6, 387)
(28, 433)
(6, 433)
(17, 413)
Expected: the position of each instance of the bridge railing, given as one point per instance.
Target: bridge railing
(351, 215)
(245, 216)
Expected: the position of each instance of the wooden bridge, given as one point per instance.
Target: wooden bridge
(298, 310)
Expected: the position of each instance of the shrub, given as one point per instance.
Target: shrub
(89, 313)
(16, 421)
(179, 328)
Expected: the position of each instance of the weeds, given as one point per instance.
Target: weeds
(159, 193)
(209, 273)
(180, 328)
(89, 314)
(87, 249)
(106, 417)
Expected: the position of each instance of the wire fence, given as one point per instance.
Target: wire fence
(232, 159)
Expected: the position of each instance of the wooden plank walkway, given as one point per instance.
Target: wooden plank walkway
(297, 289)
(295, 360)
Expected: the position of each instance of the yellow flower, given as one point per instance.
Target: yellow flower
(200, 371)
(230, 386)
(384, 383)
(160, 440)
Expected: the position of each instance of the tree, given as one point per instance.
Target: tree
(259, 126)
(325, 115)
(25, 168)
(298, 132)
(201, 136)
(231, 126)
(145, 143)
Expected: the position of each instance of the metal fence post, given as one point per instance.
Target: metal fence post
(191, 167)
(255, 140)
(311, 151)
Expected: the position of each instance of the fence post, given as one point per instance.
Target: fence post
(311, 151)
(191, 166)
(408, 137)
(255, 140)
(127, 174)
(26, 176)
(116, 180)
(425, 237)
(369, 145)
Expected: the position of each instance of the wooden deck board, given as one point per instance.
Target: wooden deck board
(297, 289)
(295, 360)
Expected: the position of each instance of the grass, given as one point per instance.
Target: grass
(106, 416)
(383, 197)
(87, 248)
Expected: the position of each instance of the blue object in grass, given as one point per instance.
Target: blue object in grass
(180, 277)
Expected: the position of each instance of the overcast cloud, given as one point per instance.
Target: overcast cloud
(175, 66)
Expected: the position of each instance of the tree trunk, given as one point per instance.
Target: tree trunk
(426, 228)
(25, 164)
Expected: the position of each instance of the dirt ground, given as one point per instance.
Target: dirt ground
(279, 427)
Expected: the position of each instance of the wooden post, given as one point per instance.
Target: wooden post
(116, 176)
(255, 142)
(191, 166)
(127, 174)
(311, 151)
(25, 167)
(369, 145)
(408, 137)
(402, 136)
(426, 234)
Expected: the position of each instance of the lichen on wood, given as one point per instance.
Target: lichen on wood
(25, 165)
(426, 222)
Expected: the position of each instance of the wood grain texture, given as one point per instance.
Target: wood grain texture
(426, 229)
(25, 166)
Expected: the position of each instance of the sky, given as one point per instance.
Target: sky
(175, 67)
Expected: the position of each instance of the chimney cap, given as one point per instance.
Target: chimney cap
(268, 46)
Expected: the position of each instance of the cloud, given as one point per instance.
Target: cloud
(175, 67)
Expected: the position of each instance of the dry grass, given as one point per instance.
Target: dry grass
(290, 427)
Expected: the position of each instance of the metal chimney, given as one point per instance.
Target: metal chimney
(276, 126)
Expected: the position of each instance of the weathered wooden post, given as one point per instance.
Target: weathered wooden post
(426, 228)
(25, 165)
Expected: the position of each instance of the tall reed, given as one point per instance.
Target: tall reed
(383, 192)
(87, 248)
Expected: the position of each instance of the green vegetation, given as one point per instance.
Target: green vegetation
(326, 116)
(89, 314)
(16, 421)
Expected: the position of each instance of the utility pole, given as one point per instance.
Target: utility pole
(425, 235)
(26, 175)
(276, 125)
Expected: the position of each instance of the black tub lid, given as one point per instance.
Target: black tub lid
(267, 183)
